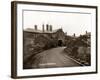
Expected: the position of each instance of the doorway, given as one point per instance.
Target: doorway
(60, 42)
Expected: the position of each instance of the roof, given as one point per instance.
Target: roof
(40, 31)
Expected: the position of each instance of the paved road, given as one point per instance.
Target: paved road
(52, 58)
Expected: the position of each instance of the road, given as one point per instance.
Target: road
(55, 57)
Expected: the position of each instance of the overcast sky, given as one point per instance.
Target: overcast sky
(70, 22)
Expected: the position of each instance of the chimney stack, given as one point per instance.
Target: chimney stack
(50, 27)
(35, 26)
(74, 35)
(86, 32)
(47, 27)
(43, 27)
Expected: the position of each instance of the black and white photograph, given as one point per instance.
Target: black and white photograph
(54, 39)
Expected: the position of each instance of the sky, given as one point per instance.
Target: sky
(71, 23)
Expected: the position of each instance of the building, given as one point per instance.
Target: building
(57, 35)
(36, 41)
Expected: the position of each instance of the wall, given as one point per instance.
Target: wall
(5, 41)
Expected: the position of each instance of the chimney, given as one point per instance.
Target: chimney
(50, 27)
(65, 33)
(47, 27)
(43, 27)
(74, 35)
(86, 32)
(35, 26)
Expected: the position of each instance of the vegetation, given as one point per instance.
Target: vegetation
(76, 47)
(79, 49)
(34, 46)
